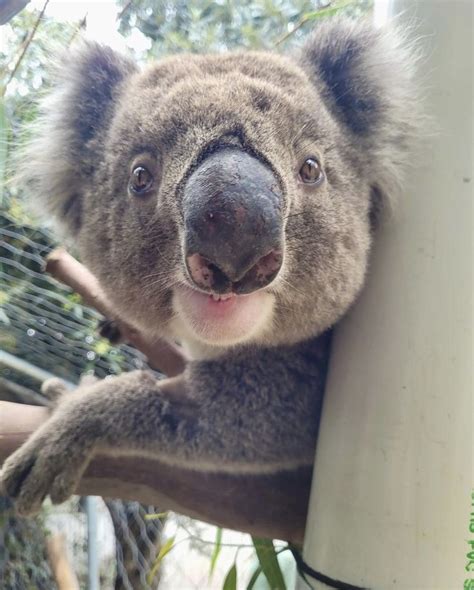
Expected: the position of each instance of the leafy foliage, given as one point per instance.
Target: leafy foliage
(23, 559)
(216, 551)
(200, 26)
(268, 560)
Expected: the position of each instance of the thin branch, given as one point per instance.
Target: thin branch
(162, 355)
(27, 44)
(303, 20)
(58, 558)
(81, 25)
(124, 9)
(323, 11)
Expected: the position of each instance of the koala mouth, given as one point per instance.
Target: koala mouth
(222, 319)
(225, 297)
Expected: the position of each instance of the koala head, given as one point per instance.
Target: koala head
(227, 199)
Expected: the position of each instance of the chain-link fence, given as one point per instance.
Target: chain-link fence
(42, 320)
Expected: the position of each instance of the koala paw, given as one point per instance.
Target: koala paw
(45, 464)
(54, 388)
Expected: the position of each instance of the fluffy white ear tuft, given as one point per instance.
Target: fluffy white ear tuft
(367, 77)
(63, 143)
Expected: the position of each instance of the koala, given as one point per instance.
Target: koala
(224, 202)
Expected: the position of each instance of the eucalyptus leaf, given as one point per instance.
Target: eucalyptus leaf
(269, 562)
(230, 582)
(156, 516)
(254, 578)
(165, 549)
(329, 11)
(217, 550)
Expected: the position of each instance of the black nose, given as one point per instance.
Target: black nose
(232, 209)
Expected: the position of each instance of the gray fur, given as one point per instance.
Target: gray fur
(348, 98)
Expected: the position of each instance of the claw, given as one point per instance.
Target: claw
(14, 474)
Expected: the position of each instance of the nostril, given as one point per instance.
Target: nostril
(205, 274)
(269, 265)
(200, 270)
(261, 274)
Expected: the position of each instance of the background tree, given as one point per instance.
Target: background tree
(200, 26)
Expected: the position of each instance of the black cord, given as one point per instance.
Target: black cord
(305, 570)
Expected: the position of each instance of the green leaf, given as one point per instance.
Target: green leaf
(329, 11)
(268, 560)
(230, 582)
(165, 549)
(254, 578)
(217, 550)
(156, 516)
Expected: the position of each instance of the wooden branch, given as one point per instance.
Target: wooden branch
(26, 45)
(272, 506)
(63, 573)
(14, 392)
(162, 355)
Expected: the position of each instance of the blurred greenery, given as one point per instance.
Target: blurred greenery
(203, 25)
(23, 555)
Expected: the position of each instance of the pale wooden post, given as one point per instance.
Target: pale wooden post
(391, 502)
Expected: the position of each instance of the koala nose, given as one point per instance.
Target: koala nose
(232, 207)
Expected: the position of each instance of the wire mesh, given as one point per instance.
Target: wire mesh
(44, 323)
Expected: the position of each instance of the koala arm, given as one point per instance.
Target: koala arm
(275, 505)
(204, 420)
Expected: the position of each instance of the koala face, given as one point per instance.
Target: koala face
(228, 223)
(225, 200)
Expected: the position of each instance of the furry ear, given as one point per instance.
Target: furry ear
(73, 121)
(366, 77)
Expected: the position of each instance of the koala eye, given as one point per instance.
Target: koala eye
(311, 172)
(141, 180)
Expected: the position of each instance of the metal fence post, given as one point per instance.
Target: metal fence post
(93, 579)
